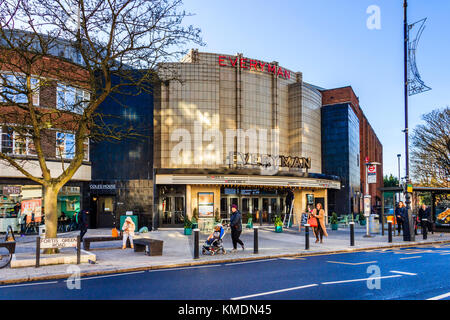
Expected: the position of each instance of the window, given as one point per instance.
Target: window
(13, 88)
(16, 144)
(71, 99)
(65, 146)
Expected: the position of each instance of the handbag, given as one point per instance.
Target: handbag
(312, 222)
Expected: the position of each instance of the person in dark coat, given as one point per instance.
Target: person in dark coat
(403, 213)
(236, 227)
(425, 213)
(83, 222)
(398, 217)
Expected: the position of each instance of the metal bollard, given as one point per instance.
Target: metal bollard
(196, 243)
(352, 234)
(389, 231)
(306, 236)
(255, 239)
(424, 228)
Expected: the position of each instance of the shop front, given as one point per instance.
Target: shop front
(209, 197)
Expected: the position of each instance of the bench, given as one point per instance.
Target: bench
(6, 259)
(87, 241)
(155, 247)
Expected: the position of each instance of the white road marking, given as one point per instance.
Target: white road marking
(416, 257)
(365, 279)
(275, 291)
(444, 254)
(109, 276)
(403, 272)
(28, 284)
(186, 268)
(236, 263)
(293, 258)
(442, 296)
(353, 264)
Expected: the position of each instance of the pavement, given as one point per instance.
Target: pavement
(178, 251)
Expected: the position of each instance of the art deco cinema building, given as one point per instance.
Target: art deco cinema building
(235, 130)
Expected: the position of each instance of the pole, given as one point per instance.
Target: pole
(306, 236)
(399, 177)
(38, 251)
(255, 239)
(196, 240)
(352, 234)
(78, 250)
(405, 58)
(390, 231)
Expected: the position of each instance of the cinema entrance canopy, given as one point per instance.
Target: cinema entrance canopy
(212, 192)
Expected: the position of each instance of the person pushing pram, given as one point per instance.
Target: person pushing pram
(214, 243)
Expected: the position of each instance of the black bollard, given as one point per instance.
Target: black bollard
(255, 239)
(424, 228)
(306, 236)
(196, 232)
(352, 234)
(389, 231)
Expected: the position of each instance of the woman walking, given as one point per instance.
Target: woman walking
(320, 230)
(128, 232)
(236, 227)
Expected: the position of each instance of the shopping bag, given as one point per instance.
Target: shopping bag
(312, 222)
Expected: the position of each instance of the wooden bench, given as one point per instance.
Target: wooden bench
(6, 259)
(87, 241)
(155, 247)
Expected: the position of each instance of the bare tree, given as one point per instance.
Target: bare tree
(431, 149)
(95, 40)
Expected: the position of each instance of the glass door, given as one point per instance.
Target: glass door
(173, 211)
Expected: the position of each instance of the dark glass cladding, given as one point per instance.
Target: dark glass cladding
(340, 155)
(132, 157)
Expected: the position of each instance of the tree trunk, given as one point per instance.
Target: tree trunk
(51, 215)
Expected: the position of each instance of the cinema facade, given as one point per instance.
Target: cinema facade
(234, 130)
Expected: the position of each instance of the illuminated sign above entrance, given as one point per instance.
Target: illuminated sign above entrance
(249, 64)
(239, 158)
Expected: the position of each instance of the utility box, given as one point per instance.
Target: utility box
(42, 231)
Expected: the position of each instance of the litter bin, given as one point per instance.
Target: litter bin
(374, 223)
(42, 231)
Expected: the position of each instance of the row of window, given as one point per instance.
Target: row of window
(13, 143)
(68, 98)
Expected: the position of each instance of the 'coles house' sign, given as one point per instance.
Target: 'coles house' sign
(227, 61)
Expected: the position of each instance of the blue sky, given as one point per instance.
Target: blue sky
(329, 42)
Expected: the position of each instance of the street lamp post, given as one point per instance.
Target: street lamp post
(399, 178)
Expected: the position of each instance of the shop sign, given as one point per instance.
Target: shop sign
(8, 190)
(102, 186)
(47, 243)
(227, 61)
(264, 160)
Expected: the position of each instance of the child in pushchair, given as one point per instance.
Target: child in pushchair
(214, 243)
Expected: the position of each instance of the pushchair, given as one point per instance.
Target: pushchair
(214, 243)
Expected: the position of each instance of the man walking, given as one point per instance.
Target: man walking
(83, 222)
(236, 227)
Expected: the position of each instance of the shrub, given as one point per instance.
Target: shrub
(334, 218)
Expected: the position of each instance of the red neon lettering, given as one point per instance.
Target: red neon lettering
(233, 63)
(243, 66)
(271, 68)
(280, 72)
(254, 64)
(262, 65)
(221, 58)
(287, 74)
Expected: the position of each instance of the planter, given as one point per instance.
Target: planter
(187, 231)
(278, 229)
(194, 225)
(362, 222)
(334, 226)
(250, 223)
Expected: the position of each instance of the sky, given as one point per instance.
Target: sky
(330, 43)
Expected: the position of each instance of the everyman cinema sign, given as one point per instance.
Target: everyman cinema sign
(249, 64)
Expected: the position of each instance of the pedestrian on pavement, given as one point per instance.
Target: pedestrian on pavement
(398, 216)
(425, 213)
(128, 232)
(22, 219)
(83, 222)
(403, 213)
(236, 227)
(320, 230)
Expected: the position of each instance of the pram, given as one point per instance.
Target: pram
(214, 243)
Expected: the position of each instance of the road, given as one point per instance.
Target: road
(405, 274)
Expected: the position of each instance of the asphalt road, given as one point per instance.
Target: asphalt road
(400, 274)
